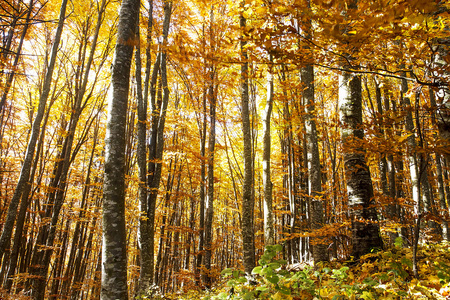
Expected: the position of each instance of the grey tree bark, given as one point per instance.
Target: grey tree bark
(248, 236)
(319, 249)
(269, 235)
(114, 251)
(209, 213)
(365, 229)
(156, 144)
(146, 267)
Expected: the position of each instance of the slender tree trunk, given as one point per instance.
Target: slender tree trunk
(201, 222)
(209, 213)
(269, 235)
(319, 250)
(114, 252)
(156, 136)
(248, 236)
(146, 272)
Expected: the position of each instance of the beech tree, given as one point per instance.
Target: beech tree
(247, 195)
(114, 252)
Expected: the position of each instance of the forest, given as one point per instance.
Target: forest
(205, 149)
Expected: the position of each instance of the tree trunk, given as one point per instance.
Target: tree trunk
(114, 252)
(269, 235)
(248, 236)
(365, 228)
(156, 145)
(209, 213)
(146, 269)
(319, 249)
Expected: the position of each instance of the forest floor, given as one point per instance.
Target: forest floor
(387, 274)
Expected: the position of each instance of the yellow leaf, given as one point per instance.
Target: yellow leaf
(403, 138)
(280, 296)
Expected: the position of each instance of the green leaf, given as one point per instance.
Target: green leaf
(262, 289)
(284, 290)
(274, 279)
(236, 273)
(257, 270)
(407, 262)
(274, 265)
(278, 248)
(398, 242)
(281, 261)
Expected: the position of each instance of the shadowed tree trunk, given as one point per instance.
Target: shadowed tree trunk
(269, 235)
(146, 266)
(156, 144)
(319, 250)
(365, 229)
(248, 236)
(114, 252)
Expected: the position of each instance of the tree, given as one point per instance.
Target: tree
(247, 194)
(158, 107)
(114, 253)
(269, 238)
(365, 229)
(146, 261)
(209, 213)
(314, 169)
(26, 167)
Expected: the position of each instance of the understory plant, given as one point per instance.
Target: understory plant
(380, 275)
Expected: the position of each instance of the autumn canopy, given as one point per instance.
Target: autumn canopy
(146, 146)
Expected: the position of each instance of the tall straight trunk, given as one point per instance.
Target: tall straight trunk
(393, 210)
(26, 167)
(209, 213)
(114, 252)
(269, 235)
(411, 142)
(382, 164)
(248, 235)
(422, 165)
(156, 138)
(319, 250)
(413, 167)
(201, 222)
(365, 229)
(146, 270)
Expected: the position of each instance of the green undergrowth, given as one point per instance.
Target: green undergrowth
(382, 275)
